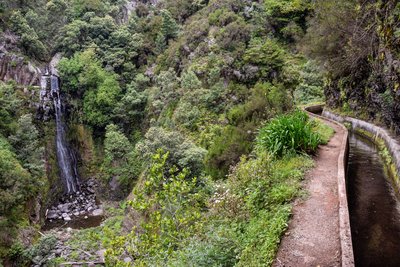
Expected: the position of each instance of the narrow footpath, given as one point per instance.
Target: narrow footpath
(312, 238)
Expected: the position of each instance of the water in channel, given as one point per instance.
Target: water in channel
(374, 207)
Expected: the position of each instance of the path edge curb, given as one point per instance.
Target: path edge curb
(347, 256)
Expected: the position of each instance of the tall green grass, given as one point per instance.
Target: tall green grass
(290, 133)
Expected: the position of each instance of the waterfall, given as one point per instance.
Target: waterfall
(65, 156)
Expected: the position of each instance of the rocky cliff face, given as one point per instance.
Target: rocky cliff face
(130, 7)
(13, 65)
(371, 86)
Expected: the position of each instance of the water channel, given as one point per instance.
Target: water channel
(373, 205)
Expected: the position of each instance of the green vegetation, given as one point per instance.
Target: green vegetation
(22, 172)
(310, 87)
(324, 131)
(169, 210)
(214, 223)
(120, 160)
(346, 37)
(167, 102)
(99, 88)
(30, 41)
(292, 133)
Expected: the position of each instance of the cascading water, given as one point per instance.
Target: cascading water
(65, 157)
(78, 207)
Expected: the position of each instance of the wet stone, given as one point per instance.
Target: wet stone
(97, 212)
(52, 215)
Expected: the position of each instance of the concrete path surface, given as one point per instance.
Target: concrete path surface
(312, 238)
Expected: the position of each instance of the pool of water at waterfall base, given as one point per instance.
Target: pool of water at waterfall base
(79, 222)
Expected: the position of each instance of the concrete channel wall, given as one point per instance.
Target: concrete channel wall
(377, 134)
(347, 256)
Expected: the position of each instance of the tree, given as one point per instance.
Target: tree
(29, 40)
(116, 145)
(169, 28)
(288, 18)
(99, 103)
(168, 209)
(267, 55)
(234, 36)
(73, 37)
(166, 92)
(70, 70)
(182, 9)
(26, 144)
(329, 32)
(9, 104)
(182, 152)
(131, 109)
(190, 81)
(80, 7)
(311, 84)
(120, 159)
(16, 183)
(100, 88)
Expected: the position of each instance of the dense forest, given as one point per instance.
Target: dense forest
(185, 114)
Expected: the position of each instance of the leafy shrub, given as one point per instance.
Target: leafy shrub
(255, 202)
(268, 55)
(291, 133)
(37, 253)
(169, 209)
(218, 248)
(311, 84)
(266, 100)
(253, 175)
(261, 238)
(120, 160)
(183, 153)
(226, 149)
(17, 184)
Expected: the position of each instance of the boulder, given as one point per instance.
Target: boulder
(65, 207)
(98, 212)
(127, 259)
(52, 215)
(101, 253)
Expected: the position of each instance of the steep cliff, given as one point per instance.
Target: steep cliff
(366, 78)
(14, 65)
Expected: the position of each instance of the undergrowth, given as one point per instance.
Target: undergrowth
(324, 131)
(289, 133)
(241, 225)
